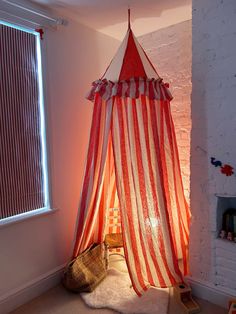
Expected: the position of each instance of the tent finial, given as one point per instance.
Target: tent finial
(128, 17)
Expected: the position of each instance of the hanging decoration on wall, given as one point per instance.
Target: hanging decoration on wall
(225, 168)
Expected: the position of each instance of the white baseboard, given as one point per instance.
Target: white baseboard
(208, 291)
(30, 290)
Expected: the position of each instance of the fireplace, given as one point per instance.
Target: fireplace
(225, 249)
(226, 217)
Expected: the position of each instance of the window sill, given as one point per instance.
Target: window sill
(26, 216)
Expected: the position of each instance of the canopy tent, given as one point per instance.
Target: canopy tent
(133, 161)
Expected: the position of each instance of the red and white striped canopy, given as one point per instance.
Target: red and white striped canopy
(133, 159)
(130, 61)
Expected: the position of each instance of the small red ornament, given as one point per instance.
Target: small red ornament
(167, 85)
(41, 32)
(227, 170)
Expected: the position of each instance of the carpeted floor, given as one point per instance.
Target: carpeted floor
(60, 301)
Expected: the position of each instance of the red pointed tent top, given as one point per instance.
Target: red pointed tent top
(130, 74)
(130, 61)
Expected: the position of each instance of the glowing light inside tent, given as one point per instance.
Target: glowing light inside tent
(152, 222)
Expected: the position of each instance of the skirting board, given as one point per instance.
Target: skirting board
(207, 291)
(30, 290)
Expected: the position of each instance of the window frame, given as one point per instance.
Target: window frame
(43, 131)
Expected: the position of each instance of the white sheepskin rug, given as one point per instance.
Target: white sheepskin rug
(115, 292)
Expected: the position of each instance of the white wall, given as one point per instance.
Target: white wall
(75, 56)
(170, 52)
(213, 133)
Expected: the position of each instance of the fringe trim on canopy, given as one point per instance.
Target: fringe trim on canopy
(133, 88)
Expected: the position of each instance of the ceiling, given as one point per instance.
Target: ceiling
(110, 16)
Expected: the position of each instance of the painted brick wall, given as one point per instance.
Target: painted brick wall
(213, 135)
(169, 49)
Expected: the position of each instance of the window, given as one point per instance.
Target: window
(23, 166)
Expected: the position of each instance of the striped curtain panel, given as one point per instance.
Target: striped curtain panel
(99, 180)
(154, 214)
(21, 173)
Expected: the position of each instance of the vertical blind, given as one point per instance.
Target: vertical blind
(21, 168)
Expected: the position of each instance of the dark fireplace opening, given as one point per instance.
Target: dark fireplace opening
(228, 230)
(226, 218)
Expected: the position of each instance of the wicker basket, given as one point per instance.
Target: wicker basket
(86, 271)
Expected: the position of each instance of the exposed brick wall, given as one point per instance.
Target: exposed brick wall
(213, 135)
(170, 52)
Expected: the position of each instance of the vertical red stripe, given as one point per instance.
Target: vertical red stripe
(154, 188)
(142, 187)
(165, 173)
(132, 64)
(165, 209)
(91, 204)
(126, 186)
(175, 168)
